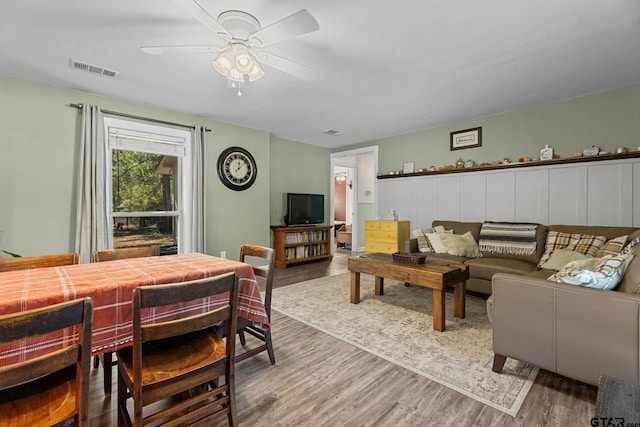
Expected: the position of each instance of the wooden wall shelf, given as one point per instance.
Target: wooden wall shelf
(600, 157)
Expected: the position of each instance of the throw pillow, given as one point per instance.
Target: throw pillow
(562, 257)
(630, 247)
(461, 245)
(605, 276)
(583, 243)
(421, 237)
(436, 243)
(612, 246)
(585, 264)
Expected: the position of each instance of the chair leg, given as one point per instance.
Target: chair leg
(243, 340)
(267, 339)
(107, 367)
(96, 361)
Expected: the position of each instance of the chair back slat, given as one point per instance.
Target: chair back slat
(161, 330)
(28, 262)
(124, 253)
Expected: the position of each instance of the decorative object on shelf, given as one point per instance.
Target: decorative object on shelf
(408, 168)
(546, 153)
(467, 138)
(433, 168)
(622, 150)
(237, 168)
(506, 160)
(577, 154)
(409, 258)
(469, 164)
(390, 216)
(591, 151)
(459, 164)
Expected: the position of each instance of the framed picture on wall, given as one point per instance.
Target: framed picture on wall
(467, 138)
(408, 167)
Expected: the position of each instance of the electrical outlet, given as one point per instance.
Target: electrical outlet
(223, 254)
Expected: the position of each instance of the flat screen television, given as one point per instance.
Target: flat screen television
(304, 209)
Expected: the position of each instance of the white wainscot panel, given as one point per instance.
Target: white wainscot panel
(405, 196)
(501, 196)
(448, 197)
(610, 194)
(426, 202)
(532, 202)
(386, 196)
(568, 195)
(473, 197)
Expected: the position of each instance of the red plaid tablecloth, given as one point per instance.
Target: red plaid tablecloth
(110, 285)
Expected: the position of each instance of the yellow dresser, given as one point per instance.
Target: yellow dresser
(385, 236)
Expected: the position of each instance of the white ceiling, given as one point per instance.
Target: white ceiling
(384, 67)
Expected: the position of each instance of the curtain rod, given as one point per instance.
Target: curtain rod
(148, 119)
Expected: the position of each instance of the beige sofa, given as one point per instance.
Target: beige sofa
(578, 332)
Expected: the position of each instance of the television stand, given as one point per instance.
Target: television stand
(301, 243)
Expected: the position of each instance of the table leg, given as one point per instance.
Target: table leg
(438, 310)
(459, 300)
(355, 287)
(379, 285)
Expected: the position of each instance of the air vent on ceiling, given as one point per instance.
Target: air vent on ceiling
(83, 66)
(332, 132)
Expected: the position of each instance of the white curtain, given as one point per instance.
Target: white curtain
(92, 227)
(197, 155)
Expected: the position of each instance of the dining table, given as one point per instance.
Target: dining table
(110, 284)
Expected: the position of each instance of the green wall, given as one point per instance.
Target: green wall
(607, 120)
(297, 168)
(39, 137)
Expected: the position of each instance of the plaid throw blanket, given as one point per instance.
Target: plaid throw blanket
(508, 238)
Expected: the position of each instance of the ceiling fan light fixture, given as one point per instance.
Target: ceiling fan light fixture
(244, 60)
(256, 72)
(224, 63)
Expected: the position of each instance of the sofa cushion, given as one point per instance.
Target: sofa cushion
(561, 257)
(605, 276)
(584, 243)
(486, 267)
(461, 245)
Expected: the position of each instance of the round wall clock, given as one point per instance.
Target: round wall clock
(237, 168)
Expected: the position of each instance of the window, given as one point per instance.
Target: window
(149, 196)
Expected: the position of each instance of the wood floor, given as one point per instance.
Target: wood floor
(319, 380)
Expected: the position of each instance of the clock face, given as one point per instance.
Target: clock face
(237, 168)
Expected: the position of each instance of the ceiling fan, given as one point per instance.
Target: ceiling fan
(242, 40)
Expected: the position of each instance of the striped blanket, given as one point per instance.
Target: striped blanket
(508, 238)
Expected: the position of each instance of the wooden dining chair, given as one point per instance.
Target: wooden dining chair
(27, 262)
(124, 253)
(246, 326)
(51, 389)
(112, 255)
(177, 357)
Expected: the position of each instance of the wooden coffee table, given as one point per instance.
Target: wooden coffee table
(437, 275)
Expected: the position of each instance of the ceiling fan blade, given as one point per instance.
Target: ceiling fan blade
(201, 14)
(301, 22)
(284, 65)
(161, 50)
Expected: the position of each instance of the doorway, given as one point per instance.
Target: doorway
(360, 167)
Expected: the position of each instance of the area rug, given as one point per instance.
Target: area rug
(398, 327)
